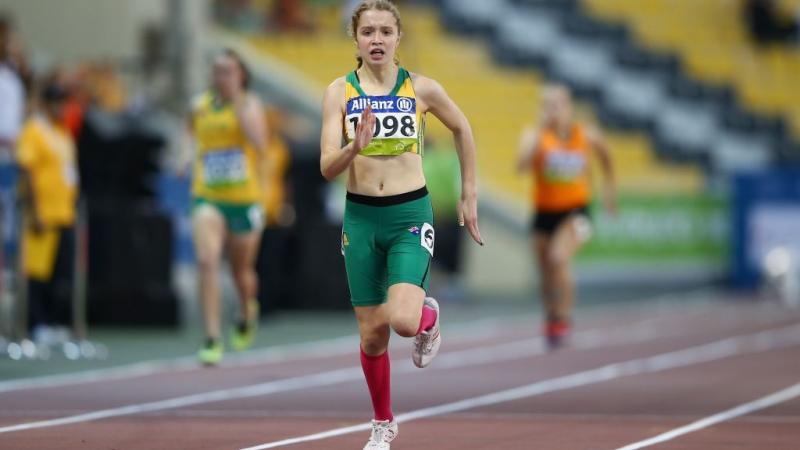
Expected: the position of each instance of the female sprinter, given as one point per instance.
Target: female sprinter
(388, 235)
(558, 155)
(229, 130)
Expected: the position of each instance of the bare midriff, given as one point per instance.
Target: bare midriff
(380, 176)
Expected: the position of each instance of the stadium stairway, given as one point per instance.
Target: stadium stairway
(712, 40)
(633, 86)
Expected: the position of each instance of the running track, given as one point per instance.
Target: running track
(707, 375)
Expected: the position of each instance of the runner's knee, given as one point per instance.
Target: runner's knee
(403, 317)
(558, 257)
(207, 263)
(405, 323)
(374, 341)
(245, 275)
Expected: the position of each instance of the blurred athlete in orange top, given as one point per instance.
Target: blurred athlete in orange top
(557, 153)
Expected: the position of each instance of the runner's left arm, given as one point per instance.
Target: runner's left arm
(445, 109)
(250, 112)
(600, 148)
(251, 116)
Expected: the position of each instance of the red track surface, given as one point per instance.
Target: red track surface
(604, 415)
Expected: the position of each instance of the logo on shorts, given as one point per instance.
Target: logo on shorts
(428, 237)
(414, 230)
(345, 241)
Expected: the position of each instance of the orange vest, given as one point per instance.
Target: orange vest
(561, 170)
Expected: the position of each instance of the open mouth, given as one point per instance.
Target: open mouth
(376, 53)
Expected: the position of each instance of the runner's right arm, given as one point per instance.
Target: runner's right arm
(335, 159)
(527, 149)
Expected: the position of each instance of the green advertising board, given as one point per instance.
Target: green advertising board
(661, 227)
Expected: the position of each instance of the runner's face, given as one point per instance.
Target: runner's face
(557, 107)
(377, 37)
(227, 76)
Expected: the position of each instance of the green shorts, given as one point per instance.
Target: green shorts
(240, 218)
(386, 241)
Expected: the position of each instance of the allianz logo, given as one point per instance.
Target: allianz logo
(403, 104)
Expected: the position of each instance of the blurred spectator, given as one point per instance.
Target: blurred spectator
(348, 6)
(239, 14)
(77, 99)
(260, 15)
(19, 61)
(47, 160)
(443, 176)
(274, 167)
(90, 84)
(12, 92)
(5, 27)
(292, 15)
(106, 89)
(767, 24)
(228, 12)
(76, 104)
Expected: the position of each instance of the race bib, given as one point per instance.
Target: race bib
(564, 166)
(256, 216)
(427, 237)
(396, 117)
(224, 167)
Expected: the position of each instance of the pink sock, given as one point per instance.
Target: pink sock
(377, 373)
(428, 319)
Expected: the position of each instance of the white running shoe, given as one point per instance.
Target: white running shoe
(427, 343)
(383, 432)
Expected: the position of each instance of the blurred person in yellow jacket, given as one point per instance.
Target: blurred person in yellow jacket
(47, 159)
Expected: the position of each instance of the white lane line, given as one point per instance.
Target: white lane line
(733, 346)
(477, 330)
(285, 385)
(741, 410)
(590, 339)
(330, 347)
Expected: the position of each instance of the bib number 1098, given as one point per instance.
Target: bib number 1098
(388, 126)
